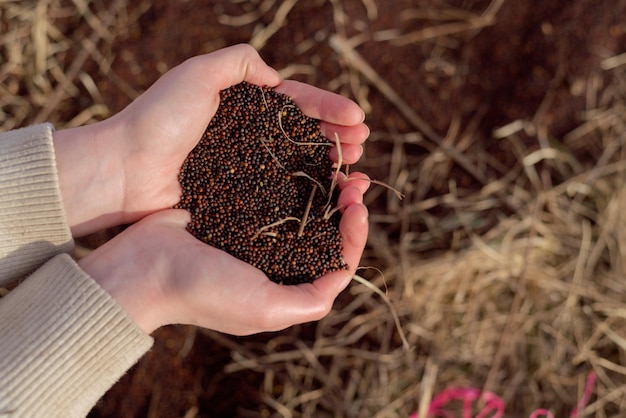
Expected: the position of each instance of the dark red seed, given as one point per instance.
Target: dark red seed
(239, 186)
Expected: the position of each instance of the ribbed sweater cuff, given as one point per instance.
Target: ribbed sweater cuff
(33, 226)
(64, 341)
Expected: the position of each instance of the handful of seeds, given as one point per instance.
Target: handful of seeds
(260, 186)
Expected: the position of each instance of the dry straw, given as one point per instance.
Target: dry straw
(44, 55)
(525, 310)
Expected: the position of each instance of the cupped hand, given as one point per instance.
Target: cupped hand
(122, 169)
(160, 274)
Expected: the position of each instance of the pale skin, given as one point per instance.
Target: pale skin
(124, 170)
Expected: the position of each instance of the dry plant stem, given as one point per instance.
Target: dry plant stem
(77, 65)
(506, 340)
(267, 106)
(280, 124)
(274, 224)
(471, 23)
(306, 211)
(371, 8)
(339, 17)
(394, 314)
(614, 62)
(269, 151)
(247, 359)
(333, 183)
(492, 10)
(303, 174)
(247, 18)
(259, 40)
(428, 384)
(446, 14)
(343, 47)
(397, 192)
(280, 408)
(329, 213)
(476, 23)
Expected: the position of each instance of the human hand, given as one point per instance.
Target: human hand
(160, 274)
(126, 167)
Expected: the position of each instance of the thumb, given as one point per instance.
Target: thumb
(232, 65)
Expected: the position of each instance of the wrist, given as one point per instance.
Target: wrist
(91, 176)
(120, 278)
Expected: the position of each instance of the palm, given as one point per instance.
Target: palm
(207, 286)
(178, 279)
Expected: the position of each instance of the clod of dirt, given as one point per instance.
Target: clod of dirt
(259, 186)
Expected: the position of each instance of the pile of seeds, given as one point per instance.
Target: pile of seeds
(259, 186)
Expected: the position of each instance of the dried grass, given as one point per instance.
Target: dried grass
(523, 304)
(523, 310)
(44, 54)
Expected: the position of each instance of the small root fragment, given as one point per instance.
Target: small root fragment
(397, 192)
(272, 154)
(246, 18)
(303, 174)
(306, 211)
(328, 213)
(280, 125)
(394, 314)
(272, 225)
(267, 106)
(333, 183)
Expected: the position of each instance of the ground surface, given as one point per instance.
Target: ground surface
(439, 80)
(536, 52)
(523, 67)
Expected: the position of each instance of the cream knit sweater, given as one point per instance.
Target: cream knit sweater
(63, 341)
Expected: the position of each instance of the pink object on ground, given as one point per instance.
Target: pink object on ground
(493, 403)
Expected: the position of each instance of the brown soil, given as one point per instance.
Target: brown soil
(533, 64)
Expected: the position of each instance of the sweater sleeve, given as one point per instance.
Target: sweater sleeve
(63, 343)
(63, 340)
(33, 226)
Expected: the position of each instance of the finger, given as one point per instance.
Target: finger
(350, 153)
(355, 134)
(357, 179)
(229, 66)
(349, 196)
(354, 230)
(321, 104)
